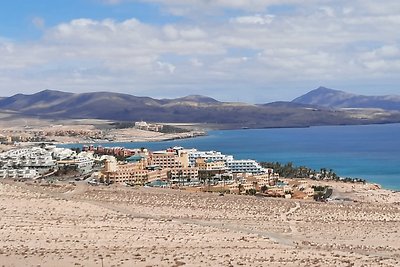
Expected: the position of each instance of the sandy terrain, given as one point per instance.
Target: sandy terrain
(371, 193)
(85, 225)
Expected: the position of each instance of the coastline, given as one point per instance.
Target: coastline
(153, 137)
(136, 139)
(339, 148)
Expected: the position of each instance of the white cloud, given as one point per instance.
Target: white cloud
(328, 11)
(170, 32)
(256, 19)
(335, 41)
(248, 5)
(165, 66)
(189, 33)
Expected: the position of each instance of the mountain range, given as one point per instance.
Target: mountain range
(326, 97)
(322, 106)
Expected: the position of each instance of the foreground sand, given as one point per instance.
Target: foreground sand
(117, 226)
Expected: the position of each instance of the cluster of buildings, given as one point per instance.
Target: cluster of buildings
(142, 125)
(113, 151)
(173, 167)
(12, 137)
(16, 138)
(73, 132)
(187, 167)
(34, 162)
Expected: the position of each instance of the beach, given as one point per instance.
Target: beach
(82, 225)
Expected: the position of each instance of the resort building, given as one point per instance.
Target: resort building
(142, 125)
(243, 187)
(213, 156)
(170, 158)
(215, 159)
(83, 164)
(24, 173)
(210, 165)
(267, 179)
(188, 174)
(245, 166)
(134, 173)
(34, 158)
(62, 153)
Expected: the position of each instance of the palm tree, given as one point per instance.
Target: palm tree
(224, 178)
(323, 172)
(240, 188)
(263, 188)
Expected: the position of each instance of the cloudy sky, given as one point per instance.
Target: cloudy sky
(234, 50)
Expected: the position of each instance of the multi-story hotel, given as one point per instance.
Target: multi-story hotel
(215, 160)
(210, 165)
(35, 157)
(135, 173)
(213, 156)
(189, 173)
(170, 158)
(24, 173)
(245, 166)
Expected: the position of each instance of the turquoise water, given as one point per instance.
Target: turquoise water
(369, 151)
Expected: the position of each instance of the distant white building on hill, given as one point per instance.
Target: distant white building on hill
(142, 125)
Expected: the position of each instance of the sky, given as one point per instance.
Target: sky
(253, 51)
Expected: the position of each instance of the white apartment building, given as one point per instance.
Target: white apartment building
(207, 156)
(84, 164)
(27, 157)
(232, 165)
(62, 153)
(20, 173)
(245, 166)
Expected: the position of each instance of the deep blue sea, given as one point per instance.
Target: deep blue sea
(371, 152)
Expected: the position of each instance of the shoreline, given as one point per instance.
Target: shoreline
(391, 186)
(230, 127)
(163, 138)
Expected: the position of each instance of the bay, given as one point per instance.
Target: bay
(371, 152)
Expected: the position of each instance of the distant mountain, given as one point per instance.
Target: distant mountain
(191, 109)
(196, 98)
(285, 104)
(44, 98)
(326, 97)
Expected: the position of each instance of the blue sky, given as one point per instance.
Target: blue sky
(234, 50)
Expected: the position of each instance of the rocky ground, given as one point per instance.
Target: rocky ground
(83, 225)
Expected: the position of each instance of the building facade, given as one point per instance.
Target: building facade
(245, 166)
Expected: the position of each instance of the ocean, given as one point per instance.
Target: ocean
(371, 152)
